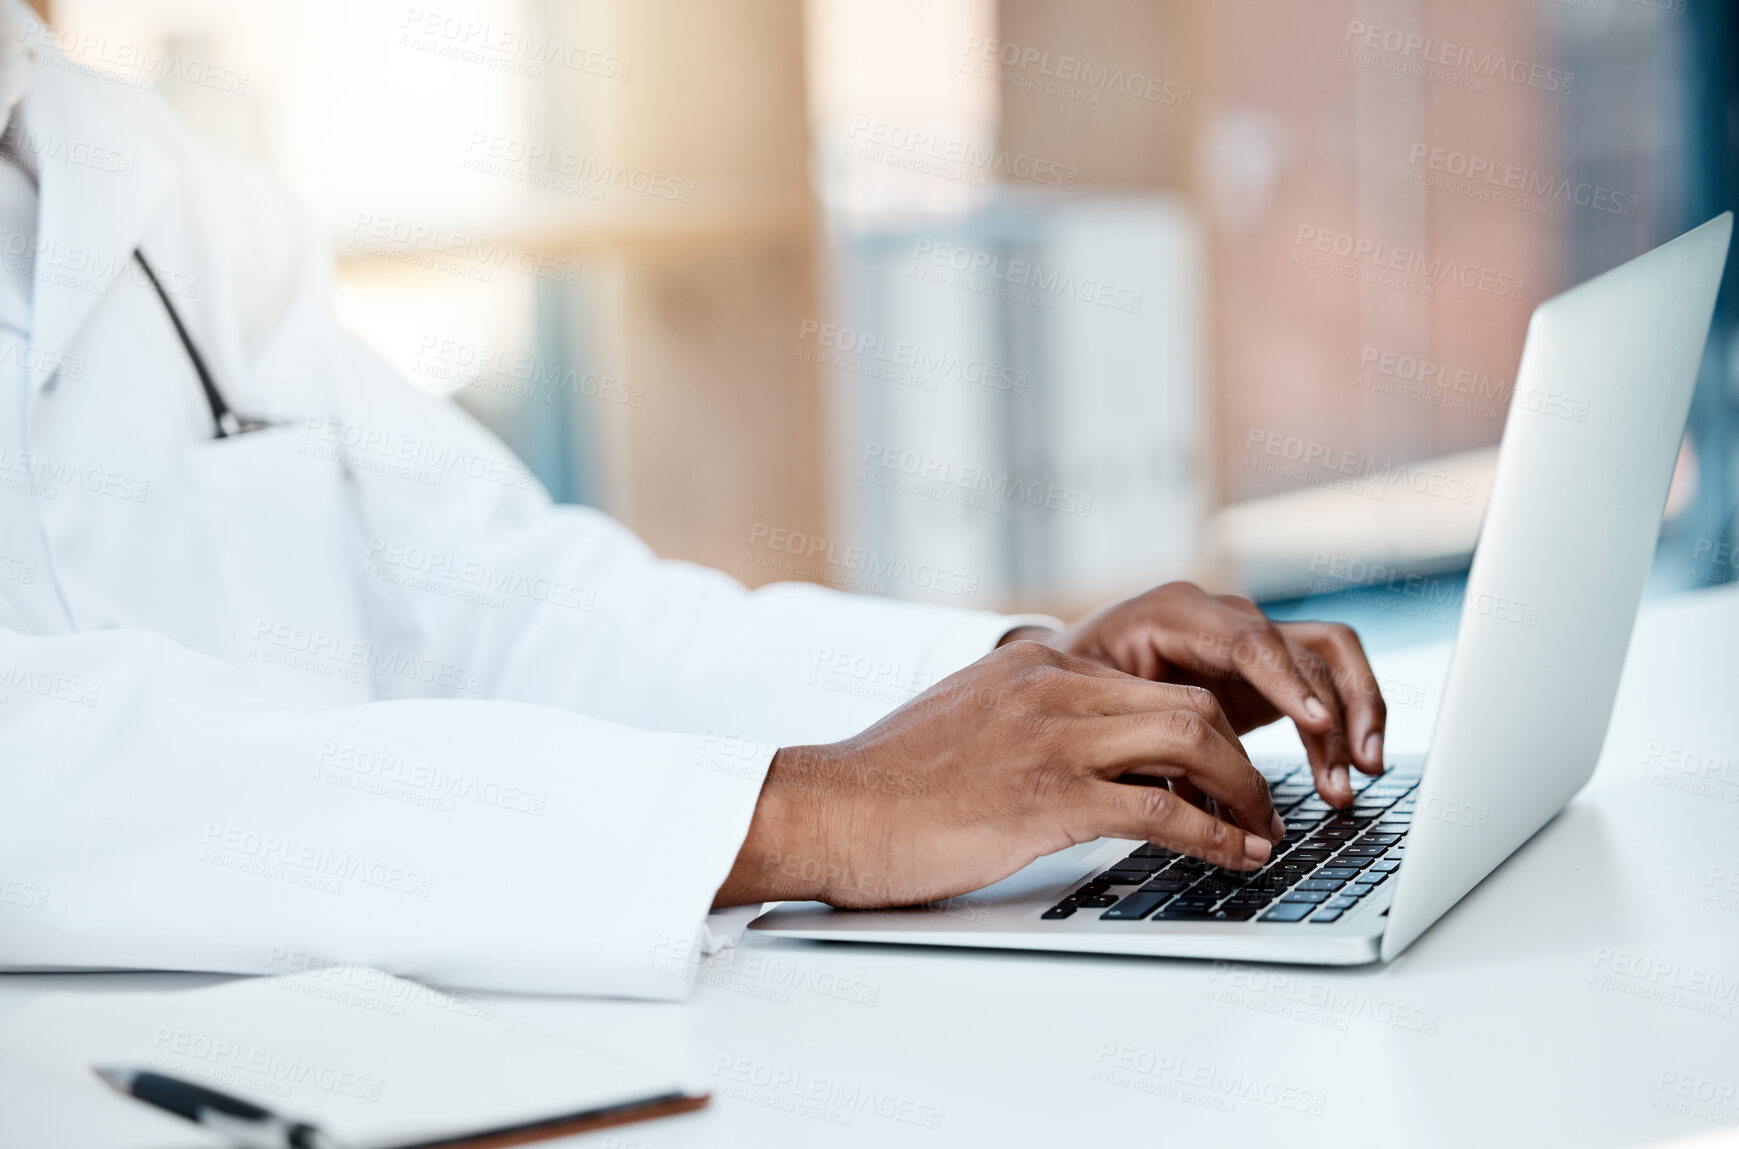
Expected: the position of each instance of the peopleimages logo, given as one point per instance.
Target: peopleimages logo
(1072, 71)
(1433, 383)
(960, 159)
(1032, 282)
(864, 353)
(1314, 456)
(935, 477)
(875, 567)
(1421, 54)
(1510, 184)
(1376, 256)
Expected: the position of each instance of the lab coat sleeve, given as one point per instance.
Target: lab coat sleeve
(163, 812)
(562, 605)
(465, 559)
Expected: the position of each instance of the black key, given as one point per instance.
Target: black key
(1135, 907)
(1152, 851)
(1166, 886)
(1379, 840)
(1347, 818)
(1301, 822)
(1288, 912)
(1098, 901)
(1311, 854)
(1339, 873)
(1342, 903)
(1390, 826)
(1320, 885)
(1356, 851)
(1093, 887)
(1293, 867)
(1350, 862)
(1326, 915)
(1056, 913)
(1231, 913)
(1384, 867)
(1306, 896)
(1245, 903)
(1124, 877)
(1335, 833)
(1188, 864)
(1141, 863)
(1192, 902)
(1211, 888)
(1184, 914)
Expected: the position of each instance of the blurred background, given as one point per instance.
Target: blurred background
(1000, 303)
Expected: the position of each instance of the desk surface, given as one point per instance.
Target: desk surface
(1567, 1001)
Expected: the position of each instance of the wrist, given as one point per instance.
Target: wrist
(1042, 634)
(785, 856)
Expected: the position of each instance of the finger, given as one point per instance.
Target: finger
(1328, 752)
(1113, 692)
(1366, 713)
(1163, 818)
(1181, 744)
(1189, 792)
(1316, 755)
(1244, 641)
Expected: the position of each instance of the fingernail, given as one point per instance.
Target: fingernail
(1315, 710)
(1256, 849)
(1337, 778)
(1374, 747)
(1277, 828)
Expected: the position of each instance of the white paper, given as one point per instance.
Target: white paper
(374, 1060)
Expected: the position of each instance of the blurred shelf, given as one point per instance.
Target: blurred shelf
(558, 225)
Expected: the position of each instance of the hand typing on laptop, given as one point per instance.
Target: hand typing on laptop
(1018, 755)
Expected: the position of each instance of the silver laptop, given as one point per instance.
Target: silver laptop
(1594, 427)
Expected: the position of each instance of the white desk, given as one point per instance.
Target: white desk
(1514, 1021)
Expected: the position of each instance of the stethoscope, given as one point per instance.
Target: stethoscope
(228, 422)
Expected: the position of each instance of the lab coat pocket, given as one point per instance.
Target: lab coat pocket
(285, 528)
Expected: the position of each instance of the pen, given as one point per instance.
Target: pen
(243, 1122)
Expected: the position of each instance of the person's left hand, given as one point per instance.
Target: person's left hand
(1314, 673)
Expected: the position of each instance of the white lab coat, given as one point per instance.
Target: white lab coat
(350, 689)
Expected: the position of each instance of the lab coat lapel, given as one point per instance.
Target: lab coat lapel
(103, 170)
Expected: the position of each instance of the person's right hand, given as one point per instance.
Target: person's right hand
(1011, 759)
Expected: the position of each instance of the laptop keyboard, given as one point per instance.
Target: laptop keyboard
(1327, 861)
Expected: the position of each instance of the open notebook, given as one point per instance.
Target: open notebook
(375, 1061)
